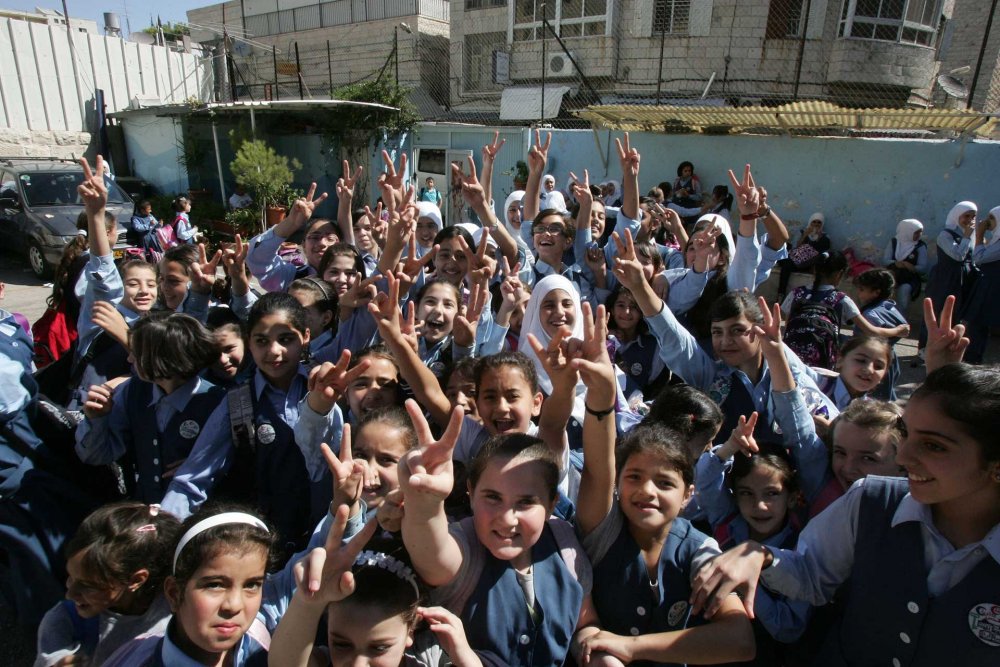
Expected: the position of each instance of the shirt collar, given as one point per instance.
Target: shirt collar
(260, 382)
(172, 655)
(911, 509)
(178, 399)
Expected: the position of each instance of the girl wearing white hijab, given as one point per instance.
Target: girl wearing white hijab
(953, 272)
(981, 312)
(906, 257)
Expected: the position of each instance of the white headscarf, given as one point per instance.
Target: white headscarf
(995, 212)
(570, 197)
(546, 178)
(723, 226)
(553, 200)
(957, 211)
(615, 195)
(532, 323)
(822, 222)
(904, 237)
(430, 210)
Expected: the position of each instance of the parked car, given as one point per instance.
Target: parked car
(39, 206)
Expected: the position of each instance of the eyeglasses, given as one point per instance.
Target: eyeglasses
(554, 229)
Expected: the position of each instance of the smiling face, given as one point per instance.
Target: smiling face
(652, 494)
(763, 501)
(437, 309)
(945, 465)
(859, 452)
(320, 236)
(427, 229)
(90, 596)
(864, 367)
(342, 274)
(380, 445)
(514, 214)
(231, 353)
(277, 348)
(376, 387)
(218, 603)
(510, 504)
(966, 218)
(461, 393)
(364, 238)
(506, 401)
(731, 341)
(598, 219)
(173, 284)
(557, 309)
(140, 289)
(550, 239)
(626, 313)
(360, 635)
(450, 262)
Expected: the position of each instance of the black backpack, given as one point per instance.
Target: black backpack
(813, 328)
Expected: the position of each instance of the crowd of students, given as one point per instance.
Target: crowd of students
(538, 439)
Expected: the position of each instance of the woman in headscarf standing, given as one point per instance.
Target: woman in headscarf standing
(906, 257)
(981, 311)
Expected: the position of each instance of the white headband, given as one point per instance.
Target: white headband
(212, 522)
(386, 562)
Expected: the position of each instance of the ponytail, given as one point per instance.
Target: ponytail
(828, 265)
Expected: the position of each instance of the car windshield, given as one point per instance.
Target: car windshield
(59, 189)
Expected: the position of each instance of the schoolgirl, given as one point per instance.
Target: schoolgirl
(275, 274)
(185, 231)
(863, 367)
(815, 315)
(116, 562)
(875, 288)
(169, 353)
(459, 385)
(234, 365)
(247, 449)
(980, 311)
(438, 309)
(320, 302)
(517, 579)
(953, 272)
(428, 225)
(644, 554)
(635, 350)
(371, 599)
(936, 592)
(687, 186)
(906, 256)
(342, 267)
(214, 588)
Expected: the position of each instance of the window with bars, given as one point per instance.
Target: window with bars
(906, 21)
(784, 19)
(484, 4)
(568, 18)
(478, 52)
(671, 16)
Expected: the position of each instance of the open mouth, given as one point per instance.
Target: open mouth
(919, 479)
(503, 425)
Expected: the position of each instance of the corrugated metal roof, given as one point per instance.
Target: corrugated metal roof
(797, 115)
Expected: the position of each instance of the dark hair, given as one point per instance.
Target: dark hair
(680, 168)
(221, 317)
(317, 222)
(341, 249)
(387, 586)
(169, 345)
(969, 395)
(135, 264)
(394, 416)
(569, 230)
(721, 192)
(659, 441)
(518, 360)
(521, 448)
(828, 266)
(609, 304)
(278, 302)
(655, 193)
(144, 203)
(120, 539)
(379, 350)
(184, 254)
(686, 410)
(73, 249)
(465, 368)
(179, 204)
(223, 539)
(454, 231)
(854, 342)
(667, 188)
(735, 304)
(771, 455)
(324, 297)
(434, 282)
(880, 280)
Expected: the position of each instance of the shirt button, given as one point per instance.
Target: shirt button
(156, 478)
(905, 637)
(913, 607)
(641, 611)
(156, 462)
(524, 639)
(634, 631)
(896, 662)
(155, 441)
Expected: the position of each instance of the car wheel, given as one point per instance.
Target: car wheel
(36, 259)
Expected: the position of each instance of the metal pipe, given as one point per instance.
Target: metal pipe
(298, 71)
(982, 54)
(802, 49)
(545, 22)
(659, 73)
(329, 67)
(218, 164)
(274, 62)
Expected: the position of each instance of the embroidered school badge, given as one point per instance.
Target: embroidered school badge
(636, 369)
(189, 429)
(266, 434)
(677, 612)
(984, 621)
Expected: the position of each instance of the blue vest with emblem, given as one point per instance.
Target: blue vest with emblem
(625, 600)
(890, 619)
(153, 450)
(17, 345)
(636, 361)
(496, 615)
(739, 402)
(110, 362)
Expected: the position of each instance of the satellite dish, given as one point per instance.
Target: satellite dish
(953, 87)
(142, 38)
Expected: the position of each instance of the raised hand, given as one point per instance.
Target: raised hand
(99, 401)
(706, 249)
(346, 182)
(92, 189)
(389, 513)
(328, 382)
(426, 474)
(590, 358)
(324, 574)
(205, 270)
(538, 155)
(628, 157)
(348, 474)
(450, 634)
(472, 189)
(234, 261)
(769, 330)
(105, 315)
(946, 343)
(745, 192)
(304, 207)
(741, 439)
(628, 268)
(555, 358)
(359, 294)
(482, 266)
(490, 151)
(385, 310)
(581, 189)
(467, 320)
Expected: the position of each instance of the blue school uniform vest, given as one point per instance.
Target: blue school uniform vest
(17, 431)
(626, 601)
(110, 362)
(890, 619)
(739, 402)
(496, 615)
(153, 449)
(636, 361)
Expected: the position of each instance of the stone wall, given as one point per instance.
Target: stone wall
(44, 143)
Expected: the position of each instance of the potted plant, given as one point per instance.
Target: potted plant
(520, 175)
(266, 175)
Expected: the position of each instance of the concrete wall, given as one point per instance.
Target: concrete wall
(152, 145)
(964, 38)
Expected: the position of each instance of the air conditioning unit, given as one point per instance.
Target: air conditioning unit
(559, 66)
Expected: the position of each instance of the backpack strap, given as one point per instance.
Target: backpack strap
(241, 418)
